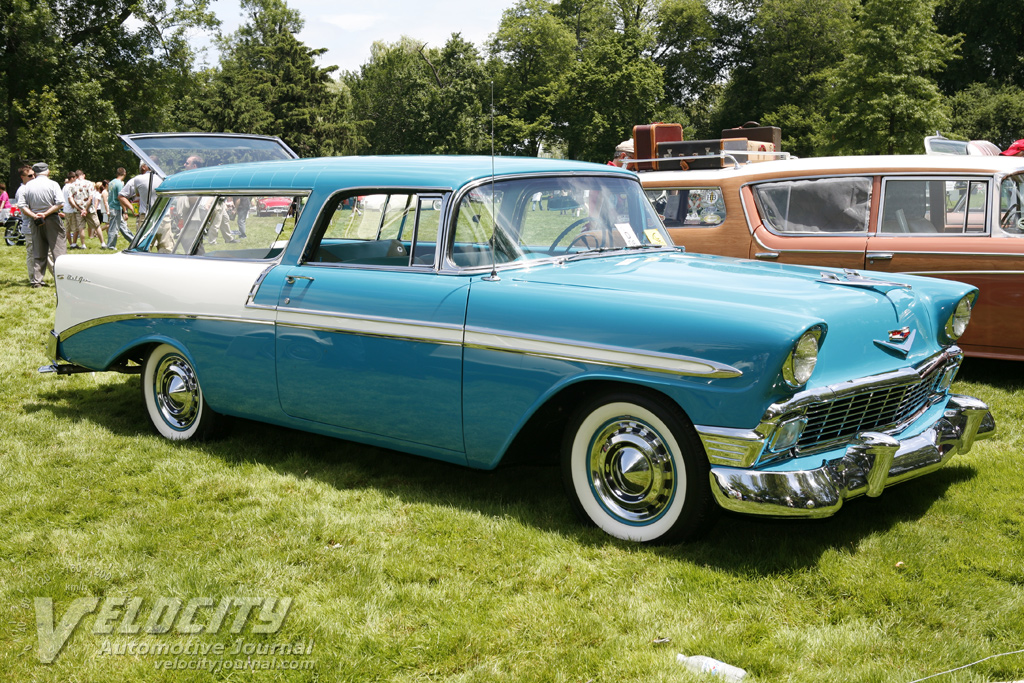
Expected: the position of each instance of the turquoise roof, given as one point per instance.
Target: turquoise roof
(447, 172)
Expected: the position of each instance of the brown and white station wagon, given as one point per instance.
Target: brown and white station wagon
(953, 217)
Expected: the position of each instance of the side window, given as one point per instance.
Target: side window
(212, 226)
(1011, 204)
(244, 226)
(694, 207)
(379, 229)
(934, 206)
(819, 205)
(176, 223)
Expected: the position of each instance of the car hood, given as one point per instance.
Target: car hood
(730, 301)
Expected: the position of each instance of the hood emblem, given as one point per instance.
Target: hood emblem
(899, 335)
(899, 342)
(851, 278)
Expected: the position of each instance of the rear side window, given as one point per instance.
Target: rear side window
(693, 207)
(820, 205)
(247, 227)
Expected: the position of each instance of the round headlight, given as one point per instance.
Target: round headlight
(802, 359)
(957, 322)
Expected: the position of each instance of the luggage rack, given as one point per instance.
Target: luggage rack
(730, 156)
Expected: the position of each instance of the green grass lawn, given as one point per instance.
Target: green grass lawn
(406, 569)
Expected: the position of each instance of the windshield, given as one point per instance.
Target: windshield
(544, 217)
(170, 153)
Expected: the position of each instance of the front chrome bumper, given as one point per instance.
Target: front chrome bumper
(874, 461)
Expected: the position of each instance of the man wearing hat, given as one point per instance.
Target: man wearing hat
(1015, 150)
(42, 201)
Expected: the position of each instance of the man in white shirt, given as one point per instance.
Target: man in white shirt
(139, 187)
(42, 201)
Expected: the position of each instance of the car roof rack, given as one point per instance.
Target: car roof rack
(731, 156)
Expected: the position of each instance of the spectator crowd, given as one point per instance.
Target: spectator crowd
(56, 219)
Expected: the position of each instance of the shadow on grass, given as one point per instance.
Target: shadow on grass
(1003, 374)
(529, 493)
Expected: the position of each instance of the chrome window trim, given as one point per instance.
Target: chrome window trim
(698, 188)
(946, 176)
(214, 193)
(760, 212)
(315, 233)
(762, 245)
(448, 266)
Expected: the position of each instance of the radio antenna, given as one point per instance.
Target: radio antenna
(493, 277)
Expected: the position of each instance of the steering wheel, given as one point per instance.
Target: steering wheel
(1011, 221)
(582, 239)
(565, 232)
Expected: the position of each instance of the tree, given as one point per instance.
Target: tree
(699, 44)
(531, 53)
(780, 74)
(268, 83)
(613, 83)
(71, 75)
(883, 97)
(412, 98)
(993, 42)
(983, 112)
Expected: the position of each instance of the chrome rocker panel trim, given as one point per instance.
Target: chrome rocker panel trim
(873, 462)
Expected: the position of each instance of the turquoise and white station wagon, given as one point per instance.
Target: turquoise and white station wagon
(465, 308)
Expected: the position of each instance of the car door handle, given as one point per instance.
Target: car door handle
(292, 278)
(767, 255)
(879, 256)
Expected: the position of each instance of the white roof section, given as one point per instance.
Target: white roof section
(909, 163)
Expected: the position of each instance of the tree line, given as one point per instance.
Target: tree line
(564, 77)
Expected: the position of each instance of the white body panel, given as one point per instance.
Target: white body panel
(91, 287)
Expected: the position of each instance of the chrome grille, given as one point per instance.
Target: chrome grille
(871, 409)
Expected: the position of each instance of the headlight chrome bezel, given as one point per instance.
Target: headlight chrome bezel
(803, 358)
(958, 320)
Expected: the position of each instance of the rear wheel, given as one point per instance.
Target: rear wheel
(173, 396)
(12, 233)
(632, 465)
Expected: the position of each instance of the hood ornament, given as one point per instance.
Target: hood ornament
(851, 278)
(899, 341)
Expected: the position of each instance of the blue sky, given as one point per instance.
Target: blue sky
(347, 29)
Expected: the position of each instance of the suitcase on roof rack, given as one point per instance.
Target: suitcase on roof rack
(646, 139)
(752, 130)
(677, 155)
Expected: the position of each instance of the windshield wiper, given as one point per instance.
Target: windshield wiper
(605, 250)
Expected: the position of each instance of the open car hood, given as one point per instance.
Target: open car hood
(165, 153)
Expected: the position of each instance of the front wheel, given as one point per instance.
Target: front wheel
(632, 465)
(173, 397)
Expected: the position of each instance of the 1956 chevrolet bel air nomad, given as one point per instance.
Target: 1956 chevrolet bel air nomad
(461, 307)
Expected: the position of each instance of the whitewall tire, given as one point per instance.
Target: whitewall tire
(632, 465)
(174, 399)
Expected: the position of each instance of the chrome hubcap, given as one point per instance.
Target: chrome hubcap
(177, 392)
(631, 471)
